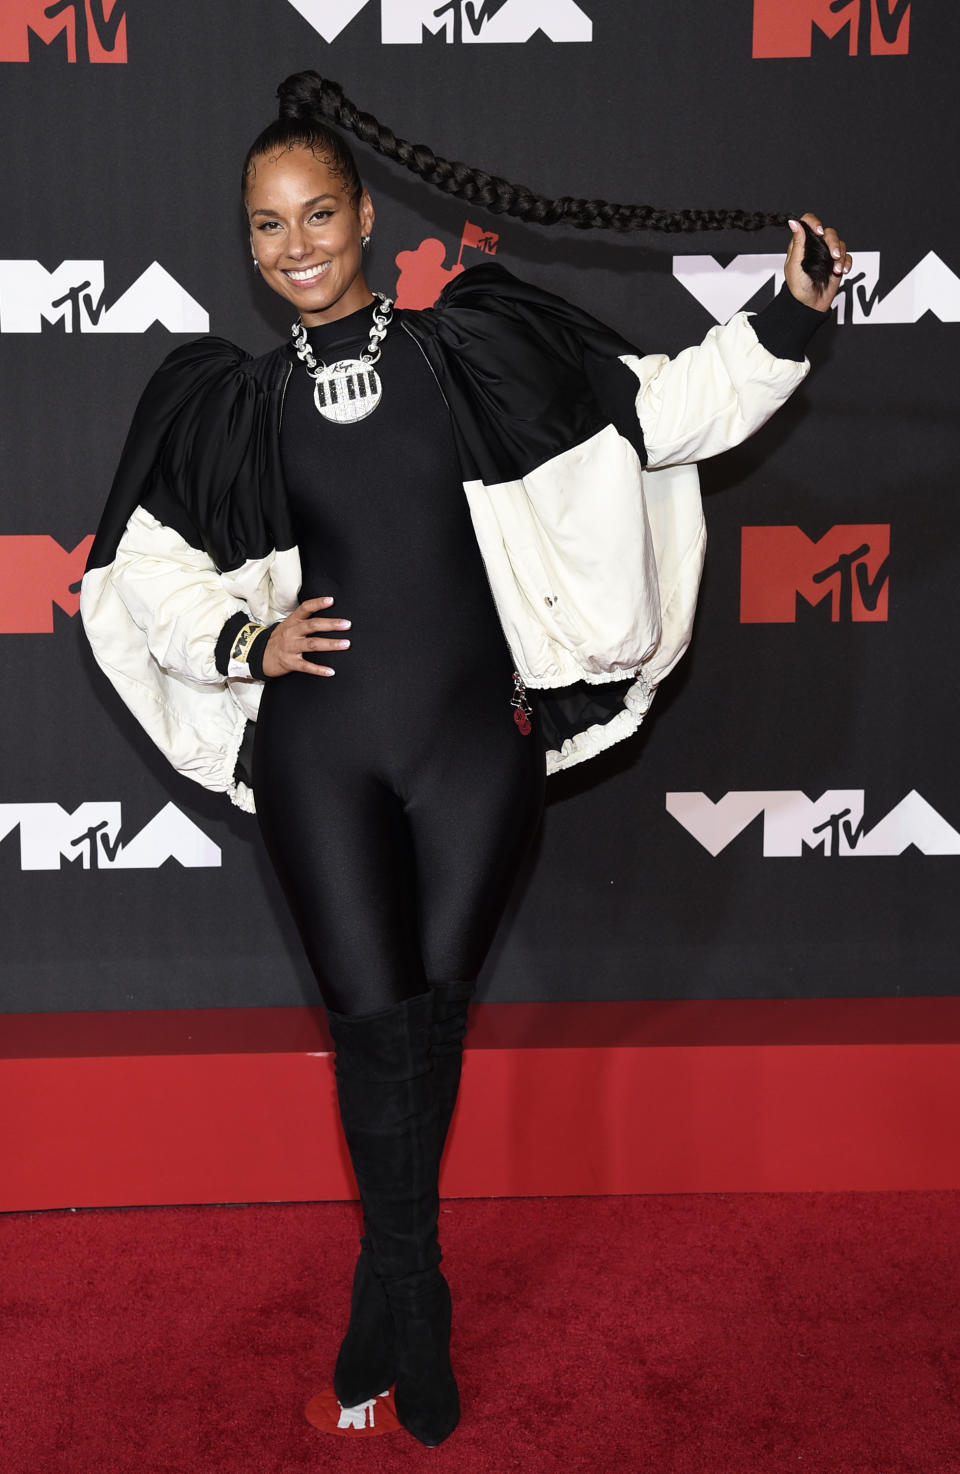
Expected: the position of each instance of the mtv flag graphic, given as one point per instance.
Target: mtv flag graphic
(86, 30)
(90, 839)
(832, 825)
(867, 27)
(724, 290)
(847, 566)
(74, 295)
(405, 22)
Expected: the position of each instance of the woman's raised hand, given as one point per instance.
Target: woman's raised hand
(798, 281)
(301, 631)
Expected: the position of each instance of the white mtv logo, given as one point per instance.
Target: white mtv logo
(91, 834)
(469, 21)
(73, 293)
(832, 823)
(930, 287)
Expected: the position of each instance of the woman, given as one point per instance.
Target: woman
(267, 513)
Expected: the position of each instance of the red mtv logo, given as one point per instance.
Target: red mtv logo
(423, 272)
(94, 30)
(848, 565)
(874, 27)
(36, 573)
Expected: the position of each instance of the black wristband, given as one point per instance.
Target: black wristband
(786, 326)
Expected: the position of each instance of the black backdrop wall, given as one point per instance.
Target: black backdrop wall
(789, 821)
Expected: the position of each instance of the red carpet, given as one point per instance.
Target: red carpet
(746, 1334)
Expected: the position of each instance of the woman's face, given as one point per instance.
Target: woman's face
(306, 234)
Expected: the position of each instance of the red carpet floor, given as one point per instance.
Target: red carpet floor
(721, 1334)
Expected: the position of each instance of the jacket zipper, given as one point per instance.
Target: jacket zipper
(519, 694)
(283, 395)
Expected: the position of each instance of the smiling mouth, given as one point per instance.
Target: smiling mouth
(305, 276)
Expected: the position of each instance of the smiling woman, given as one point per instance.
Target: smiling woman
(507, 509)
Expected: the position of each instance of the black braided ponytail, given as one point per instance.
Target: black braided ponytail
(308, 102)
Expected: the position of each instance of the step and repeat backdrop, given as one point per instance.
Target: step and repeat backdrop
(788, 822)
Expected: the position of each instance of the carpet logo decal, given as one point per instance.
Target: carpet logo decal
(90, 838)
(930, 286)
(832, 825)
(864, 27)
(848, 568)
(36, 573)
(467, 22)
(73, 297)
(366, 1420)
(85, 30)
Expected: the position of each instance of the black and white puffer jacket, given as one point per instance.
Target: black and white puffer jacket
(578, 458)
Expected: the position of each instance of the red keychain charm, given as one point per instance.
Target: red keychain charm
(522, 710)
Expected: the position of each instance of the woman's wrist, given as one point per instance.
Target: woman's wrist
(240, 648)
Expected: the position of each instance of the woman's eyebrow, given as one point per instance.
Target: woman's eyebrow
(305, 206)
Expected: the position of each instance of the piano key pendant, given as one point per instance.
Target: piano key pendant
(347, 391)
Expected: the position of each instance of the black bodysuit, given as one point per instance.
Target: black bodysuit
(397, 797)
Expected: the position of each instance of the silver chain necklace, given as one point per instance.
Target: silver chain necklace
(350, 389)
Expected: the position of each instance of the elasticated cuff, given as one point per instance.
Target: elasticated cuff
(786, 326)
(257, 652)
(232, 628)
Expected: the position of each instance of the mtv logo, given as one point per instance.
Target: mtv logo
(73, 294)
(93, 30)
(36, 573)
(794, 825)
(91, 834)
(873, 27)
(848, 566)
(404, 22)
(930, 286)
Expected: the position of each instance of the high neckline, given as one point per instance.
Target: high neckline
(355, 327)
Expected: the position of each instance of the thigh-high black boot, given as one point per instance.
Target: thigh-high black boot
(387, 1087)
(367, 1362)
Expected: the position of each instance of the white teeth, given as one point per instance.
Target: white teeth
(307, 273)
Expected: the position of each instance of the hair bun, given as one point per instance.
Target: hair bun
(306, 96)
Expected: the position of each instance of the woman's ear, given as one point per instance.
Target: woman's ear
(367, 213)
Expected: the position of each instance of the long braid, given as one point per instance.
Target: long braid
(307, 97)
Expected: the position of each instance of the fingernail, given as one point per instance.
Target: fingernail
(794, 224)
(838, 269)
(343, 644)
(819, 230)
(343, 624)
(325, 670)
(836, 252)
(326, 600)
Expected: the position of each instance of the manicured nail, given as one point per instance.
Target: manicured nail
(343, 624)
(326, 600)
(794, 224)
(325, 670)
(819, 230)
(343, 644)
(836, 251)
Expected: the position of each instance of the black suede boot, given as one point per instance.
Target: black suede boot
(367, 1361)
(389, 1109)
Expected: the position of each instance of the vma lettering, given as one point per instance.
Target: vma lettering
(73, 294)
(929, 287)
(832, 825)
(868, 27)
(90, 838)
(848, 565)
(87, 30)
(406, 22)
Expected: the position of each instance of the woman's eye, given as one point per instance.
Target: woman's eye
(267, 225)
(321, 215)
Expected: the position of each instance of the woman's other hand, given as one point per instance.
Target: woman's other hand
(797, 279)
(306, 629)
